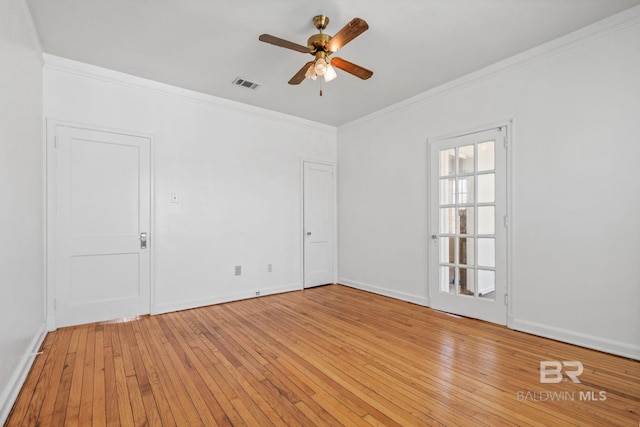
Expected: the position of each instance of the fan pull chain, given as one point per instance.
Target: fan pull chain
(320, 87)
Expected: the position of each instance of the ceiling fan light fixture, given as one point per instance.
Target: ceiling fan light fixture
(311, 72)
(330, 74)
(320, 66)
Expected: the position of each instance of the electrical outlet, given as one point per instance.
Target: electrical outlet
(269, 268)
(238, 270)
(258, 293)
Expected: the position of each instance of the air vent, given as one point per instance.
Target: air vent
(246, 83)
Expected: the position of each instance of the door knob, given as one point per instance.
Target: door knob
(143, 240)
(308, 233)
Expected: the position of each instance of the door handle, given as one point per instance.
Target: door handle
(308, 233)
(143, 240)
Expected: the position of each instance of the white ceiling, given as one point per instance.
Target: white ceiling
(203, 45)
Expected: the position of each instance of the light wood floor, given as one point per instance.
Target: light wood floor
(324, 356)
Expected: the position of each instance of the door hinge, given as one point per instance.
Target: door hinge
(506, 221)
(505, 142)
(55, 304)
(55, 141)
(506, 299)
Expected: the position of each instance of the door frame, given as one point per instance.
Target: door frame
(51, 185)
(509, 125)
(335, 217)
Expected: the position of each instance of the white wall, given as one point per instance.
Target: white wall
(235, 168)
(21, 205)
(576, 198)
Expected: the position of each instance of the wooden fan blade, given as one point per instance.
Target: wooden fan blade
(300, 75)
(349, 32)
(351, 68)
(267, 38)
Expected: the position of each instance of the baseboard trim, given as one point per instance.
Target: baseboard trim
(219, 299)
(19, 376)
(583, 340)
(415, 299)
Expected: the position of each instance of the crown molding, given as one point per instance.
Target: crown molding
(31, 28)
(612, 24)
(81, 69)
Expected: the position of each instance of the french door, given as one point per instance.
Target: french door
(468, 215)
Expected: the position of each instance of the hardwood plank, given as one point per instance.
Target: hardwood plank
(112, 407)
(331, 356)
(86, 399)
(62, 398)
(99, 413)
(72, 416)
(137, 404)
(125, 406)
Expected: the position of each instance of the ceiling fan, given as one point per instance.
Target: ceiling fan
(321, 46)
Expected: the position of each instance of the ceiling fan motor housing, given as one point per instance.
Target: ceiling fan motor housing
(318, 42)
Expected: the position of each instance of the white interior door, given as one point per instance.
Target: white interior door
(468, 253)
(319, 220)
(103, 187)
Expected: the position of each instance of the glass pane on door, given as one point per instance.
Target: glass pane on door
(447, 191)
(448, 162)
(447, 279)
(467, 282)
(447, 250)
(487, 284)
(486, 188)
(466, 159)
(466, 251)
(447, 220)
(467, 220)
(487, 252)
(486, 156)
(486, 220)
(466, 190)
